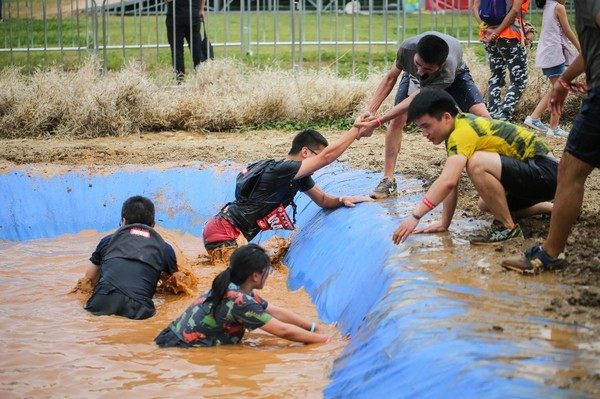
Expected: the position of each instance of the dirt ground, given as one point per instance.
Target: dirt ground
(418, 158)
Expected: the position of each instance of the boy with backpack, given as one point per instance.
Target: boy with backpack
(501, 29)
(264, 190)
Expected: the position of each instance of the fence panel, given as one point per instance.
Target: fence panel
(348, 37)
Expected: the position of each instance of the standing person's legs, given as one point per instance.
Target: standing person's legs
(572, 174)
(175, 35)
(393, 139)
(581, 156)
(516, 60)
(496, 82)
(194, 44)
(533, 120)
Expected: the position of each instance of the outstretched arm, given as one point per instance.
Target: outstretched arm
(439, 190)
(293, 333)
(385, 87)
(327, 201)
(287, 316)
(328, 155)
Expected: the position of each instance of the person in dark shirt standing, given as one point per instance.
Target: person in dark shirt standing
(127, 264)
(183, 22)
(582, 152)
(264, 190)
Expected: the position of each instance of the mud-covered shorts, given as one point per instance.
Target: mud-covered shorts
(109, 300)
(584, 139)
(528, 182)
(463, 90)
(220, 232)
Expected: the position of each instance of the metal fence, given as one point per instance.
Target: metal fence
(297, 33)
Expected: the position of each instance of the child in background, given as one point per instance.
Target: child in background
(553, 55)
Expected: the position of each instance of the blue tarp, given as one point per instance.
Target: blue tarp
(405, 337)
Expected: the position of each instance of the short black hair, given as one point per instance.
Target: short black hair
(138, 209)
(307, 138)
(431, 101)
(433, 49)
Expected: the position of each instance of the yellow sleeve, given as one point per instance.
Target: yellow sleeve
(463, 141)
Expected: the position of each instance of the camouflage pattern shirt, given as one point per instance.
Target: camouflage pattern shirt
(239, 311)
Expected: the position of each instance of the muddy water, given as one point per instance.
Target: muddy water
(51, 346)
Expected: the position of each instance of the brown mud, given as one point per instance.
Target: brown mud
(53, 347)
(579, 302)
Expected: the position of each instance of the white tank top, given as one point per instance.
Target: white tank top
(552, 38)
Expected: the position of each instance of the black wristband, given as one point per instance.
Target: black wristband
(416, 217)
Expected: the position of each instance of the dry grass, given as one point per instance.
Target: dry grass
(222, 95)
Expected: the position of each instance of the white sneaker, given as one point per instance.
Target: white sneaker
(558, 132)
(536, 124)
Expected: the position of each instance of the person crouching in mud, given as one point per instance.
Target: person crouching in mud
(127, 264)
(221, 315)
(265, 188)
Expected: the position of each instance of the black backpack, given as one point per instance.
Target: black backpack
(248, 178)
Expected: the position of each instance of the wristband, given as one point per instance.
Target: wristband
(313, 327)
(428, 203)
(341, 199)
(416, 217)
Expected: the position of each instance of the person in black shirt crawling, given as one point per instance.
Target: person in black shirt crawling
(264, 190)
(127, 264)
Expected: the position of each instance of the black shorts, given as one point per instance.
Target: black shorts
(584, 140)
(463, 90)
(108, 300)
(528, 182)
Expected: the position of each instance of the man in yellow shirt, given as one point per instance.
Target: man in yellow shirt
(511, 168)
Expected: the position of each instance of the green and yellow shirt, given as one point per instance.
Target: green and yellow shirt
(474, 133)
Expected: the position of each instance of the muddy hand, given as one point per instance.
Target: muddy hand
(404, 230)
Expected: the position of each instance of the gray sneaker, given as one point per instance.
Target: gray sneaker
(536, 124)
(386, 188)
(497, 234)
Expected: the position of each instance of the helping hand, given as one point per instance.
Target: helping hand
(404, 230)
(350, 202)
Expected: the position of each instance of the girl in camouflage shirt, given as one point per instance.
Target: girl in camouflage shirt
(221, 315)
